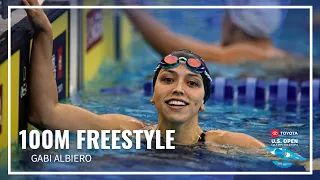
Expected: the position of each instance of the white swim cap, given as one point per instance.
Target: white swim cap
(255, 22)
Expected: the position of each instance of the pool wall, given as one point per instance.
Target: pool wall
(82, 41)
(21, 46)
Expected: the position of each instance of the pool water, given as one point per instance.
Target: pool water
(255, 121)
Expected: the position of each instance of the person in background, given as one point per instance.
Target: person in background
(245, 41)
(246, 34)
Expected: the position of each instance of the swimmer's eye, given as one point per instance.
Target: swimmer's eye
(193, 84)
(167, 80)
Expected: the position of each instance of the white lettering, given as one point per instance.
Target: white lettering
(34, 139)
(115, 139)
(292, 141)
(125, 138)
(54, 67)
(138, 138)
(45, 139)
(63, 141)
(93, 138)
(23, 135)
(158, 140)
(80, 139)
(169, 139)
(34, 158)
(23, 90)
(104, 139)
(41, 158)
(289, 133)
(60, 88)
(149, 138)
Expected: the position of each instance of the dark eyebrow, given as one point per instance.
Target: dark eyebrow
(170, 71)
(193, 75)
(188, 75)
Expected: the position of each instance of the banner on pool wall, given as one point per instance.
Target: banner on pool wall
(93, 42)
(94, 27)
(23, 87)
(59, 64)
(19, 72)
(0, 108)
(60, 53)
(16, 61)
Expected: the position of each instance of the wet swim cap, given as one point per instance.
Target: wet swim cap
(186, 54)
(256, 22)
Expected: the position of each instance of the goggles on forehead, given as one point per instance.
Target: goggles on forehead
(193, 64)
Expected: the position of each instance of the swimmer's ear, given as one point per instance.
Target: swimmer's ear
(152, 102)
(202, 109)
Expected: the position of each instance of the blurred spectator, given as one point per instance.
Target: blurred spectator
(246, 34)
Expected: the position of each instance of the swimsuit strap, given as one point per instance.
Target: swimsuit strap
(202, 137)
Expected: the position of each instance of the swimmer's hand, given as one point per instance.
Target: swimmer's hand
(315, 163)
(37, 17)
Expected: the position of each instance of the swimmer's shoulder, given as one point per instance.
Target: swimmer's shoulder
(232, 138)
(150, 127)
(121, 122)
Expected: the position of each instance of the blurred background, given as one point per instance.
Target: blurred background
(103, 63)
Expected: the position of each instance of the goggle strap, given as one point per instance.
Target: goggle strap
(183, 59)
(208, 76)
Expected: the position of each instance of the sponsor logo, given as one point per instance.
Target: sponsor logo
(284, 142)
(274, 133)
(286, 156)
(23, 90)
(94, 27)
(60, 88)
(283, 138)
(24, 86)
(60, 62)
(288, 133)
(54, 67)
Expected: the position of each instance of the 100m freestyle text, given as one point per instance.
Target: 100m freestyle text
(96, 139)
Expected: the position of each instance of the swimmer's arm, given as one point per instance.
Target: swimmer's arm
(44, 110)
(73, 118)
(233, 138)
(165, 41)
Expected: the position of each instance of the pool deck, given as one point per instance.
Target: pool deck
(16, 16)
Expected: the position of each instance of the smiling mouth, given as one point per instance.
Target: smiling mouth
(175, 102)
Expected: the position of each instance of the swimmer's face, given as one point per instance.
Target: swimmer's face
(178, 94)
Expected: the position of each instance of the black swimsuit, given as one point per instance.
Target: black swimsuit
(202, 137)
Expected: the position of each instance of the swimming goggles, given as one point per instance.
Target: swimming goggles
(193, 64)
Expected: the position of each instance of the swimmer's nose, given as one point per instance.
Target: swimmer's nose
(178, 90)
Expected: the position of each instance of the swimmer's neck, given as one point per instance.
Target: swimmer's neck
(186, 133)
